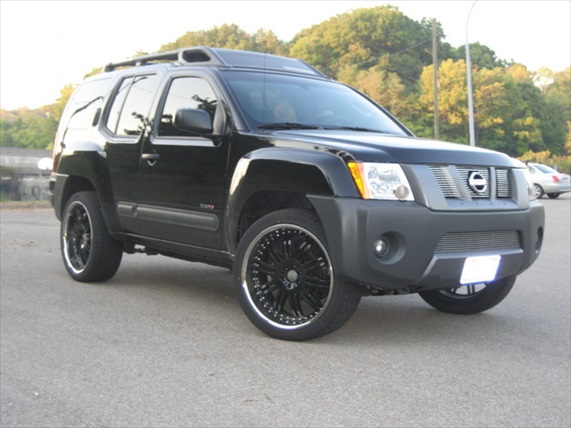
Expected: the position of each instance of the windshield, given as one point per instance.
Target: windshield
(272, 101)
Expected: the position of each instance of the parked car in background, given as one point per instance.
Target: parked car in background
(548, 181)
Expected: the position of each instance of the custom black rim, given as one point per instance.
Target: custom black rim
(287, 276)
(77, 237)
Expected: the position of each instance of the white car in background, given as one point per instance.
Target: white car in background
(547, 181)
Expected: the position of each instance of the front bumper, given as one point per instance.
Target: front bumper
(414, 260)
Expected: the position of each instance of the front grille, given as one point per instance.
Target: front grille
(478, 241)
(445, 181)
(465, 182)
(504, 189)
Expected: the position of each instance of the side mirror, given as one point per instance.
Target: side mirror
(193, 120)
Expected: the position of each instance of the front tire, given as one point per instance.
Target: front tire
(469, 299)
(553, 195)
(89, 253)
(286, 281)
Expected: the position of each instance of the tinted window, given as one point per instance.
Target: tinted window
(186, 92)
(81, 109)
(130, 109)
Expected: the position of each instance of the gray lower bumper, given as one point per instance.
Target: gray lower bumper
(412, 263)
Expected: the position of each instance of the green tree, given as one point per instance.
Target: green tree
(532, 113)
(502, 117)
(376, 37)
(480, 55)
(56, 109)
(33, 129)
(230, 36)
(557, 112)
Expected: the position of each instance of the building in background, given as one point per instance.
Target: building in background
(25, 173)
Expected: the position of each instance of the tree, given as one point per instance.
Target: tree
(480, 55)
(533, 110)
(384, 87)
(452, 98)
(33, 129)
(502, 117)
(558, 111)
(56, 109)
(376, 37)
(230, 36)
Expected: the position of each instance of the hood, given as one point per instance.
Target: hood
(375, 147)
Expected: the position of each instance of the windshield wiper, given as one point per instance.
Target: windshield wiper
(356, 128)
(287, 125)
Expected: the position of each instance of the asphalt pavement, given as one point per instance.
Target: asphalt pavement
(165, 344)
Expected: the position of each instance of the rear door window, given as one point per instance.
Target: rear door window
(128, 115)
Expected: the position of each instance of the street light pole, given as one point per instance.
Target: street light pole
(469, 81)
(435, 80)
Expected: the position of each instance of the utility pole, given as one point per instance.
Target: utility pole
(469, 82)
(435, 78)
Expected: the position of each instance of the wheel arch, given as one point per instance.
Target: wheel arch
(273, 179)
(85, 171)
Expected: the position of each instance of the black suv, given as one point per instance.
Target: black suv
(311, 192)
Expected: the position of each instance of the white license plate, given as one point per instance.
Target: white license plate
(480, 269)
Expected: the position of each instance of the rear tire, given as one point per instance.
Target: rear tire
(286, 281)
(89, 253)
(537, 191)
(553, 195)
(469, 299)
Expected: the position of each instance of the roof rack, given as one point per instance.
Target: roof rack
(226, 57)
(183, 56)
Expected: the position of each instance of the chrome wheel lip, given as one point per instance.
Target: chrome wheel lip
(85, 239)
(246, 288)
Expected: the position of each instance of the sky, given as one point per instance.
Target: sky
(45, 45)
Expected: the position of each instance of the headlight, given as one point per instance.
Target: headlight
(381, 181)
(530, 185)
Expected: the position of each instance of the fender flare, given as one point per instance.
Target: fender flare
(88, 162)
(284, 170)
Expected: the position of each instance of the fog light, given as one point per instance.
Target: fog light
(381, 247)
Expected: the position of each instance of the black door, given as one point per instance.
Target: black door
(182, 176)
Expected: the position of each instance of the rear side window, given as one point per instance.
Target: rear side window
(81, 110)
(129, 111)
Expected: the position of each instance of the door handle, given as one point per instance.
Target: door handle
(151, 158)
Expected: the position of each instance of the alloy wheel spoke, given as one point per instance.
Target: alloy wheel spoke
(296, 305)
(280, 301)
(317, 283)
(269, 287)
(311, 300)
(266, 268)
